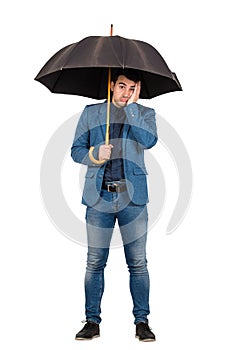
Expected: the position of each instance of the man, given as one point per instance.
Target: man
(116, 190)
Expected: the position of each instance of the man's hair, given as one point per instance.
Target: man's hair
(131, 74)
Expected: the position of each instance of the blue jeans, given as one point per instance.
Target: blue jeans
(132, 221)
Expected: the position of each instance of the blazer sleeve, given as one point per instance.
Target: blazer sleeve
(81, 144)
(142, 123)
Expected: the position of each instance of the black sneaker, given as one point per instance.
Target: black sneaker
(89, 331)
(143, 332)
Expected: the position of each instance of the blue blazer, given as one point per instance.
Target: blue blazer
(139, 133)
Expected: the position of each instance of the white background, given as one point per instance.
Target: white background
(42, 299)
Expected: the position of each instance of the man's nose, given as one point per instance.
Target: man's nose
(127, 93)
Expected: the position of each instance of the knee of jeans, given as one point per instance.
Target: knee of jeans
(96, 261)
(138, 266)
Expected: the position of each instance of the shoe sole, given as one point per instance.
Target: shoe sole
(95, 336)
(144, 340)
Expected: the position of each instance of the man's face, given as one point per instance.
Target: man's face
(122, 91)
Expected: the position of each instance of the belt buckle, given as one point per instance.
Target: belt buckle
(113, 186)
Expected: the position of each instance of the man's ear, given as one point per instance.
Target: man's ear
(112, 85)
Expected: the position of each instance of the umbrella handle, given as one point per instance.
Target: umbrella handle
(92, 157)
(95, 161)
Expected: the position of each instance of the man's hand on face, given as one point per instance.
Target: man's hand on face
(135, 94)
(105, 152)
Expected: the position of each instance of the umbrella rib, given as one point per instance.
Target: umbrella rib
(122, 53)
(64, 64)
(56, 81)
(74, 46)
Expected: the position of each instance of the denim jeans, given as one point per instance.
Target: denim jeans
(132, 221)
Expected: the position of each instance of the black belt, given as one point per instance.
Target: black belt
(115, 186)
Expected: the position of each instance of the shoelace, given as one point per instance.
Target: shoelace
(88, 324)
(145, 327)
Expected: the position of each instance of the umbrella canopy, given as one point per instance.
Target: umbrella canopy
(82, 68)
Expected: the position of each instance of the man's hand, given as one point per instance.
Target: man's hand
(105, 152)
(136, 93)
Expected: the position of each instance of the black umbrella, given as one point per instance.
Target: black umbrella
(84, 68)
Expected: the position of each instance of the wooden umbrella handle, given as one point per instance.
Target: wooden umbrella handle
(95, 161)
(92, 157)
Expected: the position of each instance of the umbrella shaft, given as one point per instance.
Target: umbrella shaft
(108, 108)
(107, 116)
(108, 103)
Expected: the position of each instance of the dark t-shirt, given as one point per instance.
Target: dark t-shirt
(114, 169)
